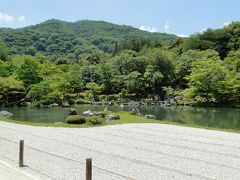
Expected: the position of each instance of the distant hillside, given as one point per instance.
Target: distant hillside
(221, 40)
(57, 38)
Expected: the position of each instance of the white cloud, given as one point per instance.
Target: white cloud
(167, 27)
(21, 18)
(148, 28)
(203, 30)
(226, 24)
(182, 35)
(4, 17)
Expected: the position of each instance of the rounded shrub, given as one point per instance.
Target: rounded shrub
(75, 119)
(95, 120)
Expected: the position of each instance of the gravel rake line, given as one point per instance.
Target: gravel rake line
(177, 133)
(125, 158)
(171, 145)
(182, 139)
(68, 159)
(76, 161)
(43, 174)
(154, 142)
(154, 151)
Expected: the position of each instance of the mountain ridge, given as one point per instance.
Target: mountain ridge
(56, 37)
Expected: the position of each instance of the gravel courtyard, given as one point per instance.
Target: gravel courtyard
(129, 151)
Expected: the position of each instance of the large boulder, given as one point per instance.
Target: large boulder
(111, 117)
(72, 112)
(100, 114)
(65, 104)
(54, 104)
(5, 114)
(136, 111)
(88, 113)
(150, 116)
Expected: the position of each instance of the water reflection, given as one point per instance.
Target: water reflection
(227, 118)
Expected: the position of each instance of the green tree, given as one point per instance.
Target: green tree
(5, 69)
(8, 85)
(31, 50)
(42, 93)
(94, 88)
(106, 76)
(152, 79)
(134, 82)
(90, 74)
(183, 65)
(3, 52)
(211, 81)
(29, 72)
(75, 79)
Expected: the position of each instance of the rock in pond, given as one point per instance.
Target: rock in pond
(88, 113)
(65, 104)
(5, 114)
(112, 117)
(72, 112)
(150, 116)
(54, 104)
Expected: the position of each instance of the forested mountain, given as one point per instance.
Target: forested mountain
(94, 60)
(221, 40)
(69, 41)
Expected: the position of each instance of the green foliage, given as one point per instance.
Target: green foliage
(42, 93)
(59, 39)
(183, 65)
(29, 72)
(220, 40)
(106, 75)
(87, 60)
(90, 74)
(94, 88)
(5, 69)
(134, 82)
(211, 81)
(75, 79)
(9, 85)
(3, 52)
(75, 119)
(233, 59)
(95, 120)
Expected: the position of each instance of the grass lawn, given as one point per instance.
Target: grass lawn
(125, 118)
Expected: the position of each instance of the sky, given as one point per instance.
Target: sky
(180, 17)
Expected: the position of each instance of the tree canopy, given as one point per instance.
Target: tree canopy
(56, 60)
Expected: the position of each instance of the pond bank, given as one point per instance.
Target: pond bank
(125, 118)
(222, 118)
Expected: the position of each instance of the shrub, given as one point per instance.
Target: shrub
(76, 119)
(80, 101)
(105, 113)
(102, 97)
(95, 120)
(113, 97)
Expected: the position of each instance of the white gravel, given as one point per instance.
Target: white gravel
(129, 151)
(8, 173)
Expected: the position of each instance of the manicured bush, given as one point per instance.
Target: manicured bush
(95, 120)
(76, 119)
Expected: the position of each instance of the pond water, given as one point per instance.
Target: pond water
(226, 118)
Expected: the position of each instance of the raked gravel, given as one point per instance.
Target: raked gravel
(128, 151)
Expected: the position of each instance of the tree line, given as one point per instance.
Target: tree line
(201, 69)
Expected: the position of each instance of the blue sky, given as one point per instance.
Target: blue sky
(173, 16)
